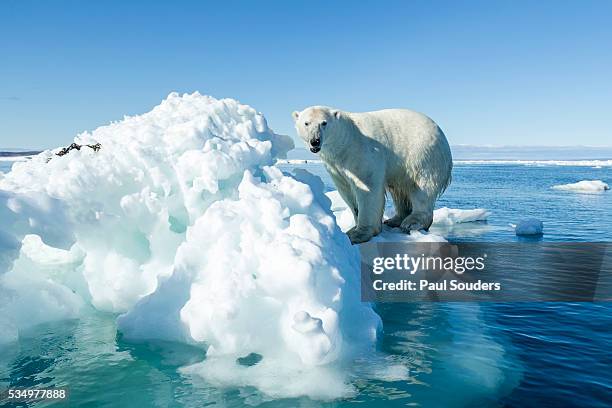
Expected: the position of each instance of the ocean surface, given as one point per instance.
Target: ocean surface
(458, 354)
(5, 166)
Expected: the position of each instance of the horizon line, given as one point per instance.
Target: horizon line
(460, 145)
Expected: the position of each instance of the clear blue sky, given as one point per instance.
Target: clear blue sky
(489, 72)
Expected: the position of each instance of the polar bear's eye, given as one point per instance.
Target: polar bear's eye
(306, 123)
(324, 123)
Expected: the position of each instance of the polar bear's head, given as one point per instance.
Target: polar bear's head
(315, 125)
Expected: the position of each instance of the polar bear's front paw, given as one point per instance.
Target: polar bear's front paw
(412, 227)
(360, 234)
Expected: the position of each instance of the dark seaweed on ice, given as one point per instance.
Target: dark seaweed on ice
(75, 146)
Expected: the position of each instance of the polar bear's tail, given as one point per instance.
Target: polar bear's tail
(449, 179)
(439, 167)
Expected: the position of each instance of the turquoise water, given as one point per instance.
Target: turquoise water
(463, 355)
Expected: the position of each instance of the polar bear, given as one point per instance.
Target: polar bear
(369, 153)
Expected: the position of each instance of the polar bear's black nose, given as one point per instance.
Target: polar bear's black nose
(315, 145)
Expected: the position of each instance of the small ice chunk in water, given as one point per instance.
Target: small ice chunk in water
(584, 186)
(451, 216)
(530, 226)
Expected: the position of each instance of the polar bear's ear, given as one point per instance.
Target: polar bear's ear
(337, 114)
(295, 115)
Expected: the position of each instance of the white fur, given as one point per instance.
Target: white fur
(366, 154)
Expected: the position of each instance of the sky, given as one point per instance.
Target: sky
(488, 72)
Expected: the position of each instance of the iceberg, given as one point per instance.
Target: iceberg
(182, 226)
(584, 186)
(129, 205)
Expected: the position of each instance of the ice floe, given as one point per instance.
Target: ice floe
(451, 216)
(584, 186)
(444, 221)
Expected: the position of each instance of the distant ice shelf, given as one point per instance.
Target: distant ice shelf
(576, 163)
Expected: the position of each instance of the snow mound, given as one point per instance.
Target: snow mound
(531, 226)
(182, 224)
(130, 203)
(584, 186)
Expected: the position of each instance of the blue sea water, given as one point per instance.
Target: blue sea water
(5, 166)
(458, 354)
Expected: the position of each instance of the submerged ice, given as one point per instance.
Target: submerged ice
(529, 226)
(182, 226)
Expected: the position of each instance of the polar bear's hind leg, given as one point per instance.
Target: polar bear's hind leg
(402, 204)
(421, 216)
